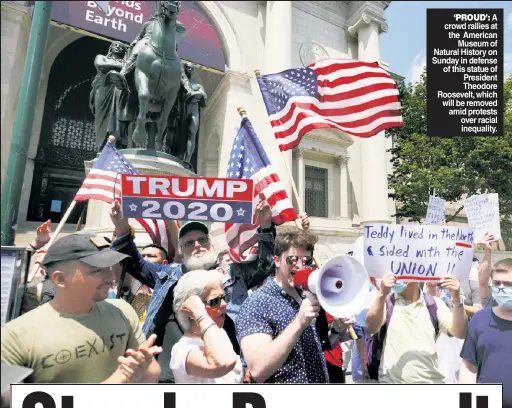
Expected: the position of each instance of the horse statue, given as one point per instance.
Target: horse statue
(157, 73)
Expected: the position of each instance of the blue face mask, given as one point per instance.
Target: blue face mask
(399, 287)
(503, 297)
(446, 296)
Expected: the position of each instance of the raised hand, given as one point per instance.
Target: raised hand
(193, 307)
(487, 241)
(263, 213)
(452, 284)
(121, 224)
(304, 219)
(115, 212)
(43, 235)
(387, 283)
(44, 232)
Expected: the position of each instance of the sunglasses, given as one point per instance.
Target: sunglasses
(293, 259)
(215, 303)
(202, 241)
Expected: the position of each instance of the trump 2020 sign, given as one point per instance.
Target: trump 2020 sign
(187, 198)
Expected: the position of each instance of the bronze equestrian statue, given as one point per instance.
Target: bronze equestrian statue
(157, 73)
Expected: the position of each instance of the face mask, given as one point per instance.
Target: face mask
(504, 299)
(399, 287)
(446, 296)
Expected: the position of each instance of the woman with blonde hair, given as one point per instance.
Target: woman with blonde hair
(204, 354)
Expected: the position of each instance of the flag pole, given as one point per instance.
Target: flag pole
(54, 237)
(61, 225)
(243, 113)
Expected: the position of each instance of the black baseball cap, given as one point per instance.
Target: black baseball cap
(193, 226)
(94, 250)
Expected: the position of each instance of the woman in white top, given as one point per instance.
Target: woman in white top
(204, 354)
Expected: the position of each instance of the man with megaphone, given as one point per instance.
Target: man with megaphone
(275, 325)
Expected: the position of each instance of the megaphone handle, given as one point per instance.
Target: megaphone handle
(352, 333)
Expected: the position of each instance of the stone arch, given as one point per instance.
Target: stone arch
(226, 33)
(64, 135)
(58, 39)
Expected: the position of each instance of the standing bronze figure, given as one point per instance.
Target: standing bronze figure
(184, 124)
(106, 101)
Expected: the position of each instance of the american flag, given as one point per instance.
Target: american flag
(104, 183)
(248, 160)
(358, 98)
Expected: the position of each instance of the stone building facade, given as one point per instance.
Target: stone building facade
(342, 181)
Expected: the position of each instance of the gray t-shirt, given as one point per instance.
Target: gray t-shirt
(471, 292)
(489, 302)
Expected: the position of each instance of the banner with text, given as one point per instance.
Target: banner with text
(435, 211)
(250, 395)
(123, 20)
(203, 199)
(483, 213)
(418, 252)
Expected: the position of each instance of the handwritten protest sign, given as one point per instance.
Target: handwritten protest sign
(418, 252)
(435, 210)
(483, 213)
(187, 198)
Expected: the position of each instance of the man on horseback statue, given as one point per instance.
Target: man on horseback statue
(156, 68)
(144, 36)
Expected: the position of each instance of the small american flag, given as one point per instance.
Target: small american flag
(248, 160)
(358, 98)
(103, 183)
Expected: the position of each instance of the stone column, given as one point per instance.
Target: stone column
(300, 179)
(374, 200)
(278, 57)
(343, 188)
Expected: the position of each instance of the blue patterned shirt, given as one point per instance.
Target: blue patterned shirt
(270, 310)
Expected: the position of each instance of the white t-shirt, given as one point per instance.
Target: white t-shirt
(179, 355)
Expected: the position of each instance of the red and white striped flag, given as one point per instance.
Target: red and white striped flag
(248, 160)
(358, 98)
(104, 183)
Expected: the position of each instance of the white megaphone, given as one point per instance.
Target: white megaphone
(341, 285)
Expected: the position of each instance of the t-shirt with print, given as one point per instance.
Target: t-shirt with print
(179, 356)
(409, 353)
(72, 349)
(488, 346)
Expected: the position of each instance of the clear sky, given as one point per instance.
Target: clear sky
(403, 46)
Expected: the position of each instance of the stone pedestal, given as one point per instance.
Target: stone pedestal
(146, 162)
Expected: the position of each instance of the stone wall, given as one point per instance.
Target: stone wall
(15, 34)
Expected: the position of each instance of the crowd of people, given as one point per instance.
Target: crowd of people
(205, 319)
